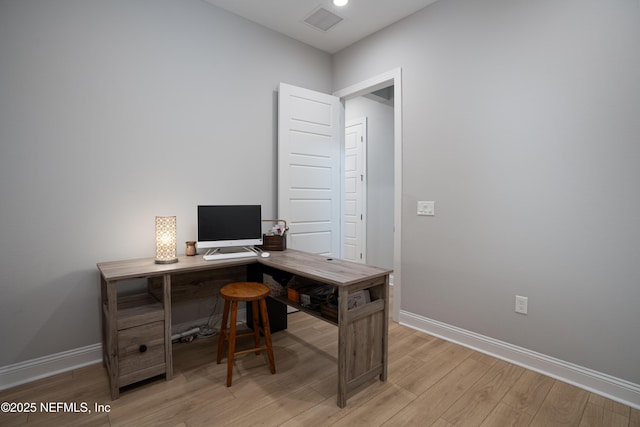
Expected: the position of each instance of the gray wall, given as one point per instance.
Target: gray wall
(379, 176)
(521, 119)
(113, 112)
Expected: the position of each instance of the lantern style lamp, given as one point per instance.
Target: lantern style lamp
(166, 240)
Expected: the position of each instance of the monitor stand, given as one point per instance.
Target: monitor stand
(230, 252)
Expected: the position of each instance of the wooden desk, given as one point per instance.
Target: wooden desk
(136, 329)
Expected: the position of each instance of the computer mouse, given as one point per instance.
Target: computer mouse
(265, 254)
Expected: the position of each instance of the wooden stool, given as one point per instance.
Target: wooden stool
(250, 292)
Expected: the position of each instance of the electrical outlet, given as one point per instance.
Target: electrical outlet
(521, 304)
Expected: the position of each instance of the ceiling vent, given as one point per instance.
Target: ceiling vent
(322, 19)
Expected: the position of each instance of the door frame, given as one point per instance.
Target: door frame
(389, 78)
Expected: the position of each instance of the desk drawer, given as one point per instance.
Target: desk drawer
(141, 348)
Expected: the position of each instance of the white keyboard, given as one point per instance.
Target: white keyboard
(229, 255)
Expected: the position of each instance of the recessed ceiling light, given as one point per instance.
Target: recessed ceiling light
(340, 2)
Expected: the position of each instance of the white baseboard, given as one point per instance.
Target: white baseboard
(35, 369)
(602, 384)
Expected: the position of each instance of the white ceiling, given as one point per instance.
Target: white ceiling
(360, 18)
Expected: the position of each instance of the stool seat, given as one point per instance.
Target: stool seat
(244, 291)
(256, 294)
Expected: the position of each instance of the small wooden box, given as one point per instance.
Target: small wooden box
(274, 243)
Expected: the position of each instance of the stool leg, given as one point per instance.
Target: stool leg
(267, 334)
(223, 331)
(232, 341)
(256, 325)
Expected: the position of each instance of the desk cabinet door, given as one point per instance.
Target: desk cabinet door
(141, 348)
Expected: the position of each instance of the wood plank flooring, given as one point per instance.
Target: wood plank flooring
(431, 383)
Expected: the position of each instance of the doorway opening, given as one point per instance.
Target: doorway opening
(389, 82)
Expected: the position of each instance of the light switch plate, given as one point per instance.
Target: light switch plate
(426, 208)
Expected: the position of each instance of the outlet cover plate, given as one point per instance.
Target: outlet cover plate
(522, 304)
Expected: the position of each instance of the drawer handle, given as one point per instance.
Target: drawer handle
(143, 348)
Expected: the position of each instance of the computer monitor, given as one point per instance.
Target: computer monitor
(223, 226)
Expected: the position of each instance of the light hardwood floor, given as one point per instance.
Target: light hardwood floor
(431, 383)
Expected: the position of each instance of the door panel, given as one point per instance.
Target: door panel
(309, 173)
(311, 177)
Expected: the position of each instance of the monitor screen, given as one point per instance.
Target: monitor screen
(221, 226)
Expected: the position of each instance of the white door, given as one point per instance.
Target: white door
(354, 215)
(309, 175)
